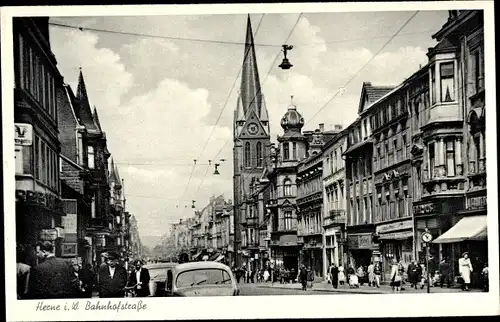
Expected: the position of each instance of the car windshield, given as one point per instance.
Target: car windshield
(205, 276)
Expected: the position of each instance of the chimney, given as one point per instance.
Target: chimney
(322, 127)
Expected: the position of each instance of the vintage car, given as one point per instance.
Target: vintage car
(158, 275)
(201, 279)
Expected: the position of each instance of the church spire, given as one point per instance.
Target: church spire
(250, 91)
(81, 90)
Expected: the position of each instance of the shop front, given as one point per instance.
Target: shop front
(362, 249)
(312, 255)
(396, 243)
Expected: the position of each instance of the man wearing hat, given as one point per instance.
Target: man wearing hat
(112, 278)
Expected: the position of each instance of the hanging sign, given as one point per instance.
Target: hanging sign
(23, 134)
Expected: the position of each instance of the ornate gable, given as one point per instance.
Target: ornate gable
(253, 128)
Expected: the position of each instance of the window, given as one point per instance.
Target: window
(247, 155)
(433, 84)
(287, 187)
(91, 157)
(294, 146)
(405, 147)
(395, 149)
(288, 220)
(358, 211)
(450, 158)
(477, 69)
(286, 151)
(387, 152)
(393, 110)
(202, 277)
(447, 82)
(432, 160)
(93, 208)
(19, 159)
(370, 205)
(258, 153)
(365, 129)
(365, 210)
(477, 149)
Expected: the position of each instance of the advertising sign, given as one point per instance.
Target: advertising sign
(23, 134)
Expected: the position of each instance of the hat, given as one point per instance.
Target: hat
(105, 255)
(465, 253)
(112, 255)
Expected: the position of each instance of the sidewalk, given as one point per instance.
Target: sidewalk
(365, 289)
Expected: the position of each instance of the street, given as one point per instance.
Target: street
(266, 289)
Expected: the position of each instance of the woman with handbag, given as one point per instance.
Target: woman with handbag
(396, 277)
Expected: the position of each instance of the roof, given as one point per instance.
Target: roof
(373, 93)
(84, 111)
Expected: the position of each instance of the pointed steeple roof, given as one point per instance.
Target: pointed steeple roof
(114, 176)
(250, 82)
(96, 119)
(81, 90)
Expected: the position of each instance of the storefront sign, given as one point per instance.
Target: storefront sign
(100, 240)
(288, 240)
(23, 134)
(425, 209)
(69, 223)
(360, 241)
(48, 234)
(476, 203)
(400, 225)
(397, 235)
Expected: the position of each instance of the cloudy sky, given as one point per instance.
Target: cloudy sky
(158, 99)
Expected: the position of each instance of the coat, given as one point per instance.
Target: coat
(52, 279)
(144, 279)
(334, 272)
(112, 287)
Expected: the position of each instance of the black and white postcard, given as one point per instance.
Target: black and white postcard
(250, 161)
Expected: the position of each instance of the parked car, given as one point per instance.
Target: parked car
(158, 275)
(201, 279)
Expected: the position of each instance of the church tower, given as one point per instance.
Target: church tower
(251, 137)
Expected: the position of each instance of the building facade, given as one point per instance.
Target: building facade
(334, 201)
(362, 248)
(39, 209)
(292, 147)
(454, 143)
(251, 137)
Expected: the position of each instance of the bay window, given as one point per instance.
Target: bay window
(91, 157)
(432, 160)
(450, 158)
(288, 220)
(433, 84)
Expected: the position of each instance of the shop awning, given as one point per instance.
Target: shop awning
(468, 228)
(221, 257)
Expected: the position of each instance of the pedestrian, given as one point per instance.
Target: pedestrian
(465, 269)
(341, 275)
(266, 275)
(334, 273)
(139, 279)
(310, 276)
(371, 275)
(52, 277)
(87, 277)
(377, 272)
(396, 277)
(445, 274)
(361, 274)
(112, 278)
(23, 272)
(303, 277)
(485, 278)
(76, 278)
(412, 272)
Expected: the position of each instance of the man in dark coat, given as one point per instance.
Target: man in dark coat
(112, 278)
(140, 278)
(52, 278)
(334, 273)
(303, 277)
(88, 278)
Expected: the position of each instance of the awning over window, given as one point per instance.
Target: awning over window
(221, 257)
(468, 228)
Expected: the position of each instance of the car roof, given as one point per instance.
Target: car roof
(198, 265)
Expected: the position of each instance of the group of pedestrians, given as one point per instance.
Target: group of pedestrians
(57, 278)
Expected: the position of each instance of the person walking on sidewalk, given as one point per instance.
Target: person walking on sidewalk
(303, 277)
(23, 272)
(377, 272)
(465, 269)
(396, 277)
(112, 278)
(341, 275)
(52, 278)
(371, 275)
(445, 274)
(334, 273)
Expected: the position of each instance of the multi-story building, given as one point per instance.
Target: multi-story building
(310, 205)
(334, 200)
(454, 162)
(360, 181)
(283, 180)
(76, 181)
(227, 232)
(251, 136)
(135, 244)
(258, 236)
(37, 147)
(101, 223)
(391, 135)
(117, 211)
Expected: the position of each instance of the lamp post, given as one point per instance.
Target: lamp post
(427, 238)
